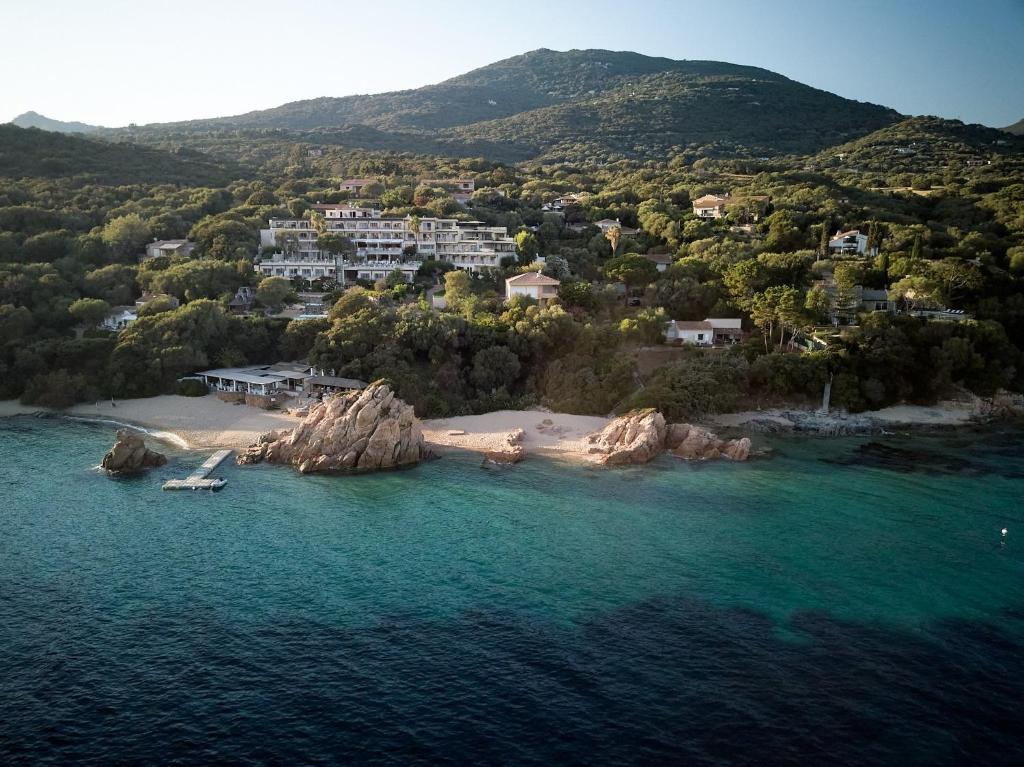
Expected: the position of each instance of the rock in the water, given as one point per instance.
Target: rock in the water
(356, 432)
(635, 437)
(695, 443)
(130, 454)
(512, 451)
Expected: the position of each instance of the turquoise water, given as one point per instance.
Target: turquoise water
(846, 600)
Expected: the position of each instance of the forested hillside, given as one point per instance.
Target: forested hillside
(31, 152)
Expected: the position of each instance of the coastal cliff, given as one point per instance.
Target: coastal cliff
(363, 431)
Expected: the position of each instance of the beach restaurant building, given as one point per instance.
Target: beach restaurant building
(262, 379)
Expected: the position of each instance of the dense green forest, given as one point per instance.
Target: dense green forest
(948, 220)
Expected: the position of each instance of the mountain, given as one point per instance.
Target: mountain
(584, 104)
(920, 145)
(31, 152)
(36, 120)
(1017, 128)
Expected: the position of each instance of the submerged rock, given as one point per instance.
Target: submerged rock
(361, 431)
(512, 451)
(130, 454)
(696, 443)
(635, 437)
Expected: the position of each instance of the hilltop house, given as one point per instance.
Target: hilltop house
(168, 248)
(850, 243)
(661, 261)
(624, 231)
(533, 285)
(461, 189)
(559, 204)
(383, 245)
(243, 301)
(354, 186)
(709, 332)
(710, 206)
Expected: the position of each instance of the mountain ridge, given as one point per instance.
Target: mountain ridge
(32, 119)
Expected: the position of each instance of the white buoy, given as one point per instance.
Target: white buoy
(1004, 532)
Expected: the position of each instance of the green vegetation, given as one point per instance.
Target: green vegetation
(947, 218)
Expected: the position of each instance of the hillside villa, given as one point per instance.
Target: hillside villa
(383, 245)
(710, 206)
(708, 332)
(850, 243)
(119, 318)
(533, 285)
(461, 189)
(354, 186)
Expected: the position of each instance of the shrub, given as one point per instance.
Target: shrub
(192, 387)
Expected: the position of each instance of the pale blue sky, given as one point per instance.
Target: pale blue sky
(112, 61)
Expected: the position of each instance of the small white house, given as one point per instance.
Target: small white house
(708, 332)
(624, 231)
(850, 243)
(533, 285)
(685, 332)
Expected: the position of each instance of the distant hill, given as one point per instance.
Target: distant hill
(1017, 128)
(30, 152)
(921, 145)
(36, 120)
(571, 105)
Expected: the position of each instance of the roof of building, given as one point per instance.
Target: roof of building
(164, 244)
(532, 278)
(840, 235)
(359, 181)
(710, 201)
(659, 258)
(869, 294)
(725, 323)
(692, 325)
(245, 375)
(341, 383)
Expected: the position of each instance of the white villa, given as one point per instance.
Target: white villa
(850, 243)
(383, 245)
(533, 285)
(708, 332)
(710, 206)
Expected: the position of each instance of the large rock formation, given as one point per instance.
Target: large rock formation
(635, 437)
(361, 431)
(130, 454)
(511, 451)
(695, 443)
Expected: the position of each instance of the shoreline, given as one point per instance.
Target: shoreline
(200, 423)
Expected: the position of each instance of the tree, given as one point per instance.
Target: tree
(273, 291)
(744, 280)
(817, 302)
(613, 234)
(456, 289)
(916, 292)
(89, 311)
(493, 368)
(527, 247)
(341, 248)
(125, 235)
(824, 239)
(631, 269)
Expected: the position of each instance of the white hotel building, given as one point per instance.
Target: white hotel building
(380, 245)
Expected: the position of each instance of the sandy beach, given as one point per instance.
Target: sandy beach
(194, 422)
(557, 434)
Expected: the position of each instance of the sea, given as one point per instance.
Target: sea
(841, 601)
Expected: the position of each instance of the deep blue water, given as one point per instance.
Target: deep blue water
(843, 602)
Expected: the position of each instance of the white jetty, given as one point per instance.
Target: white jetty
(200, 478)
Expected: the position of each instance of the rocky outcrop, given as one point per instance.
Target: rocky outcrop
(695, 443)
(130, 455)
(635, 437)
(511, 451)
(361, 431)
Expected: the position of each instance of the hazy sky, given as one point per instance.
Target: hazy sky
(113, 62)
